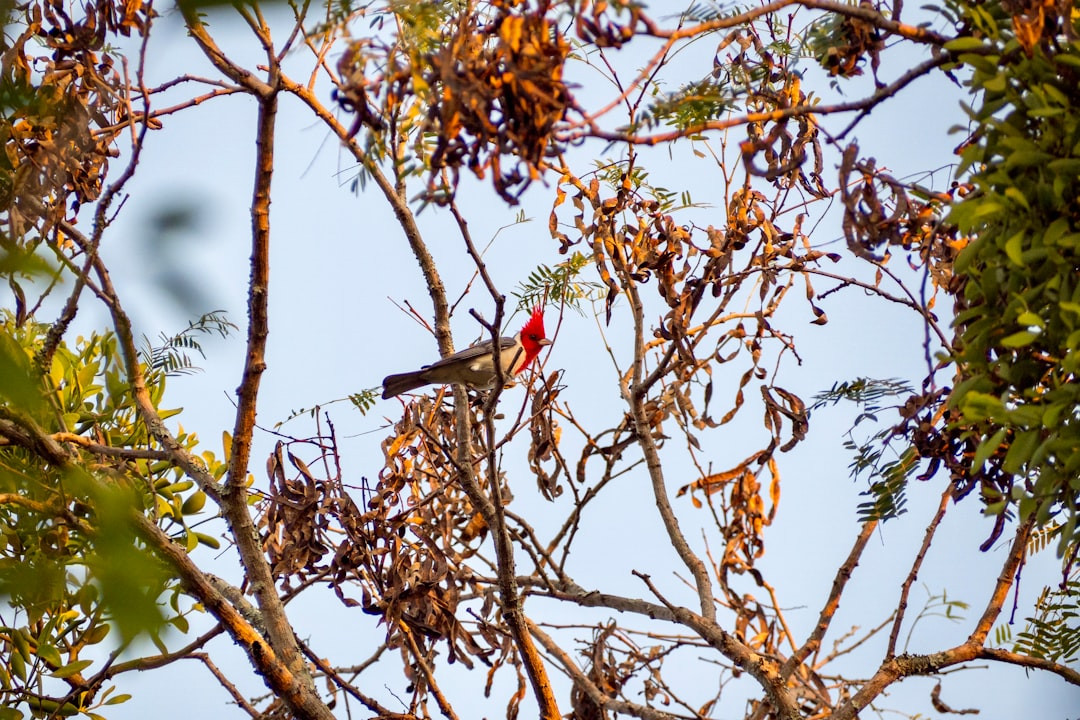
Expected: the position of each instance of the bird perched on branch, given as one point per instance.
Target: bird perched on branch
(475, 365)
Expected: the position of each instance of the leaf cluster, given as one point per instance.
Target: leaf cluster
(1053, 633)
(479, 85)
(56, 115)
(885, 459)
(75, 461)
(690, 106)
(559, 285)
(1018, 310)
(171, 355)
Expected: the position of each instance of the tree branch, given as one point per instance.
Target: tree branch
(763, 668)
(843, 574)
(295, 692)
(582, 681)
(217, 58)
(905, 589)
(1028, 661)
(894, 668)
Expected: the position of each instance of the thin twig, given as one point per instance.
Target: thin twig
(916, 564)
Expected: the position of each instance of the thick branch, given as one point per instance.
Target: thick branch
(156, 661)
(217, 58)
(584, 598)
(23, 431)
(297, 694)
(33, 505)
(109, 450)
(234, 505)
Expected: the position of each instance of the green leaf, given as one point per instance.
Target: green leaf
(986, 449)
(96, 634)
(72, 668)
(1019, 339)
(1030, 319)
(51, 707)
(49, 654)
(208, 540)
(20, 385)
(1065, 166)
(996, 84)
(180, 623)
(1014, 248)
(18, 666)
(1014, 194)
(978, 406)
(966, 44)
(1070, 306)
(130, 578)
(967, 255)
(194, 503)
(1026, 158)
(986, 208)
(1020, 451)
(1026, 415)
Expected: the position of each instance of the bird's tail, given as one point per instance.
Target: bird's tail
(402, 383)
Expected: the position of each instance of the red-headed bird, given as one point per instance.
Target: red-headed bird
(475, 365)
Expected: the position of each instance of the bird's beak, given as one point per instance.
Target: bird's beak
(545, 341)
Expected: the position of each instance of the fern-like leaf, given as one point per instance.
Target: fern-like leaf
(560, 285)
(863, 391)
(691, 105)
(886, 468)
(171, 356)
(362, 401)
(1053, 633)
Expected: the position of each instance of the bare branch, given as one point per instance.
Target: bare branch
(905, 589)
(843, 574)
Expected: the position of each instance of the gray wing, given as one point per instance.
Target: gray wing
(473, 351)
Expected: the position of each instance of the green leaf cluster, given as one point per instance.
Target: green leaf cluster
(76, 460)
(171, 355)
(692, 105)
(561, 284)
(1053, 633)
(1018, 313)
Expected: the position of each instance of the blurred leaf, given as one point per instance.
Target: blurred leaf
(20, 384)
(71, 669)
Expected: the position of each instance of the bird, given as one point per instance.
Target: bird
(475, 365)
